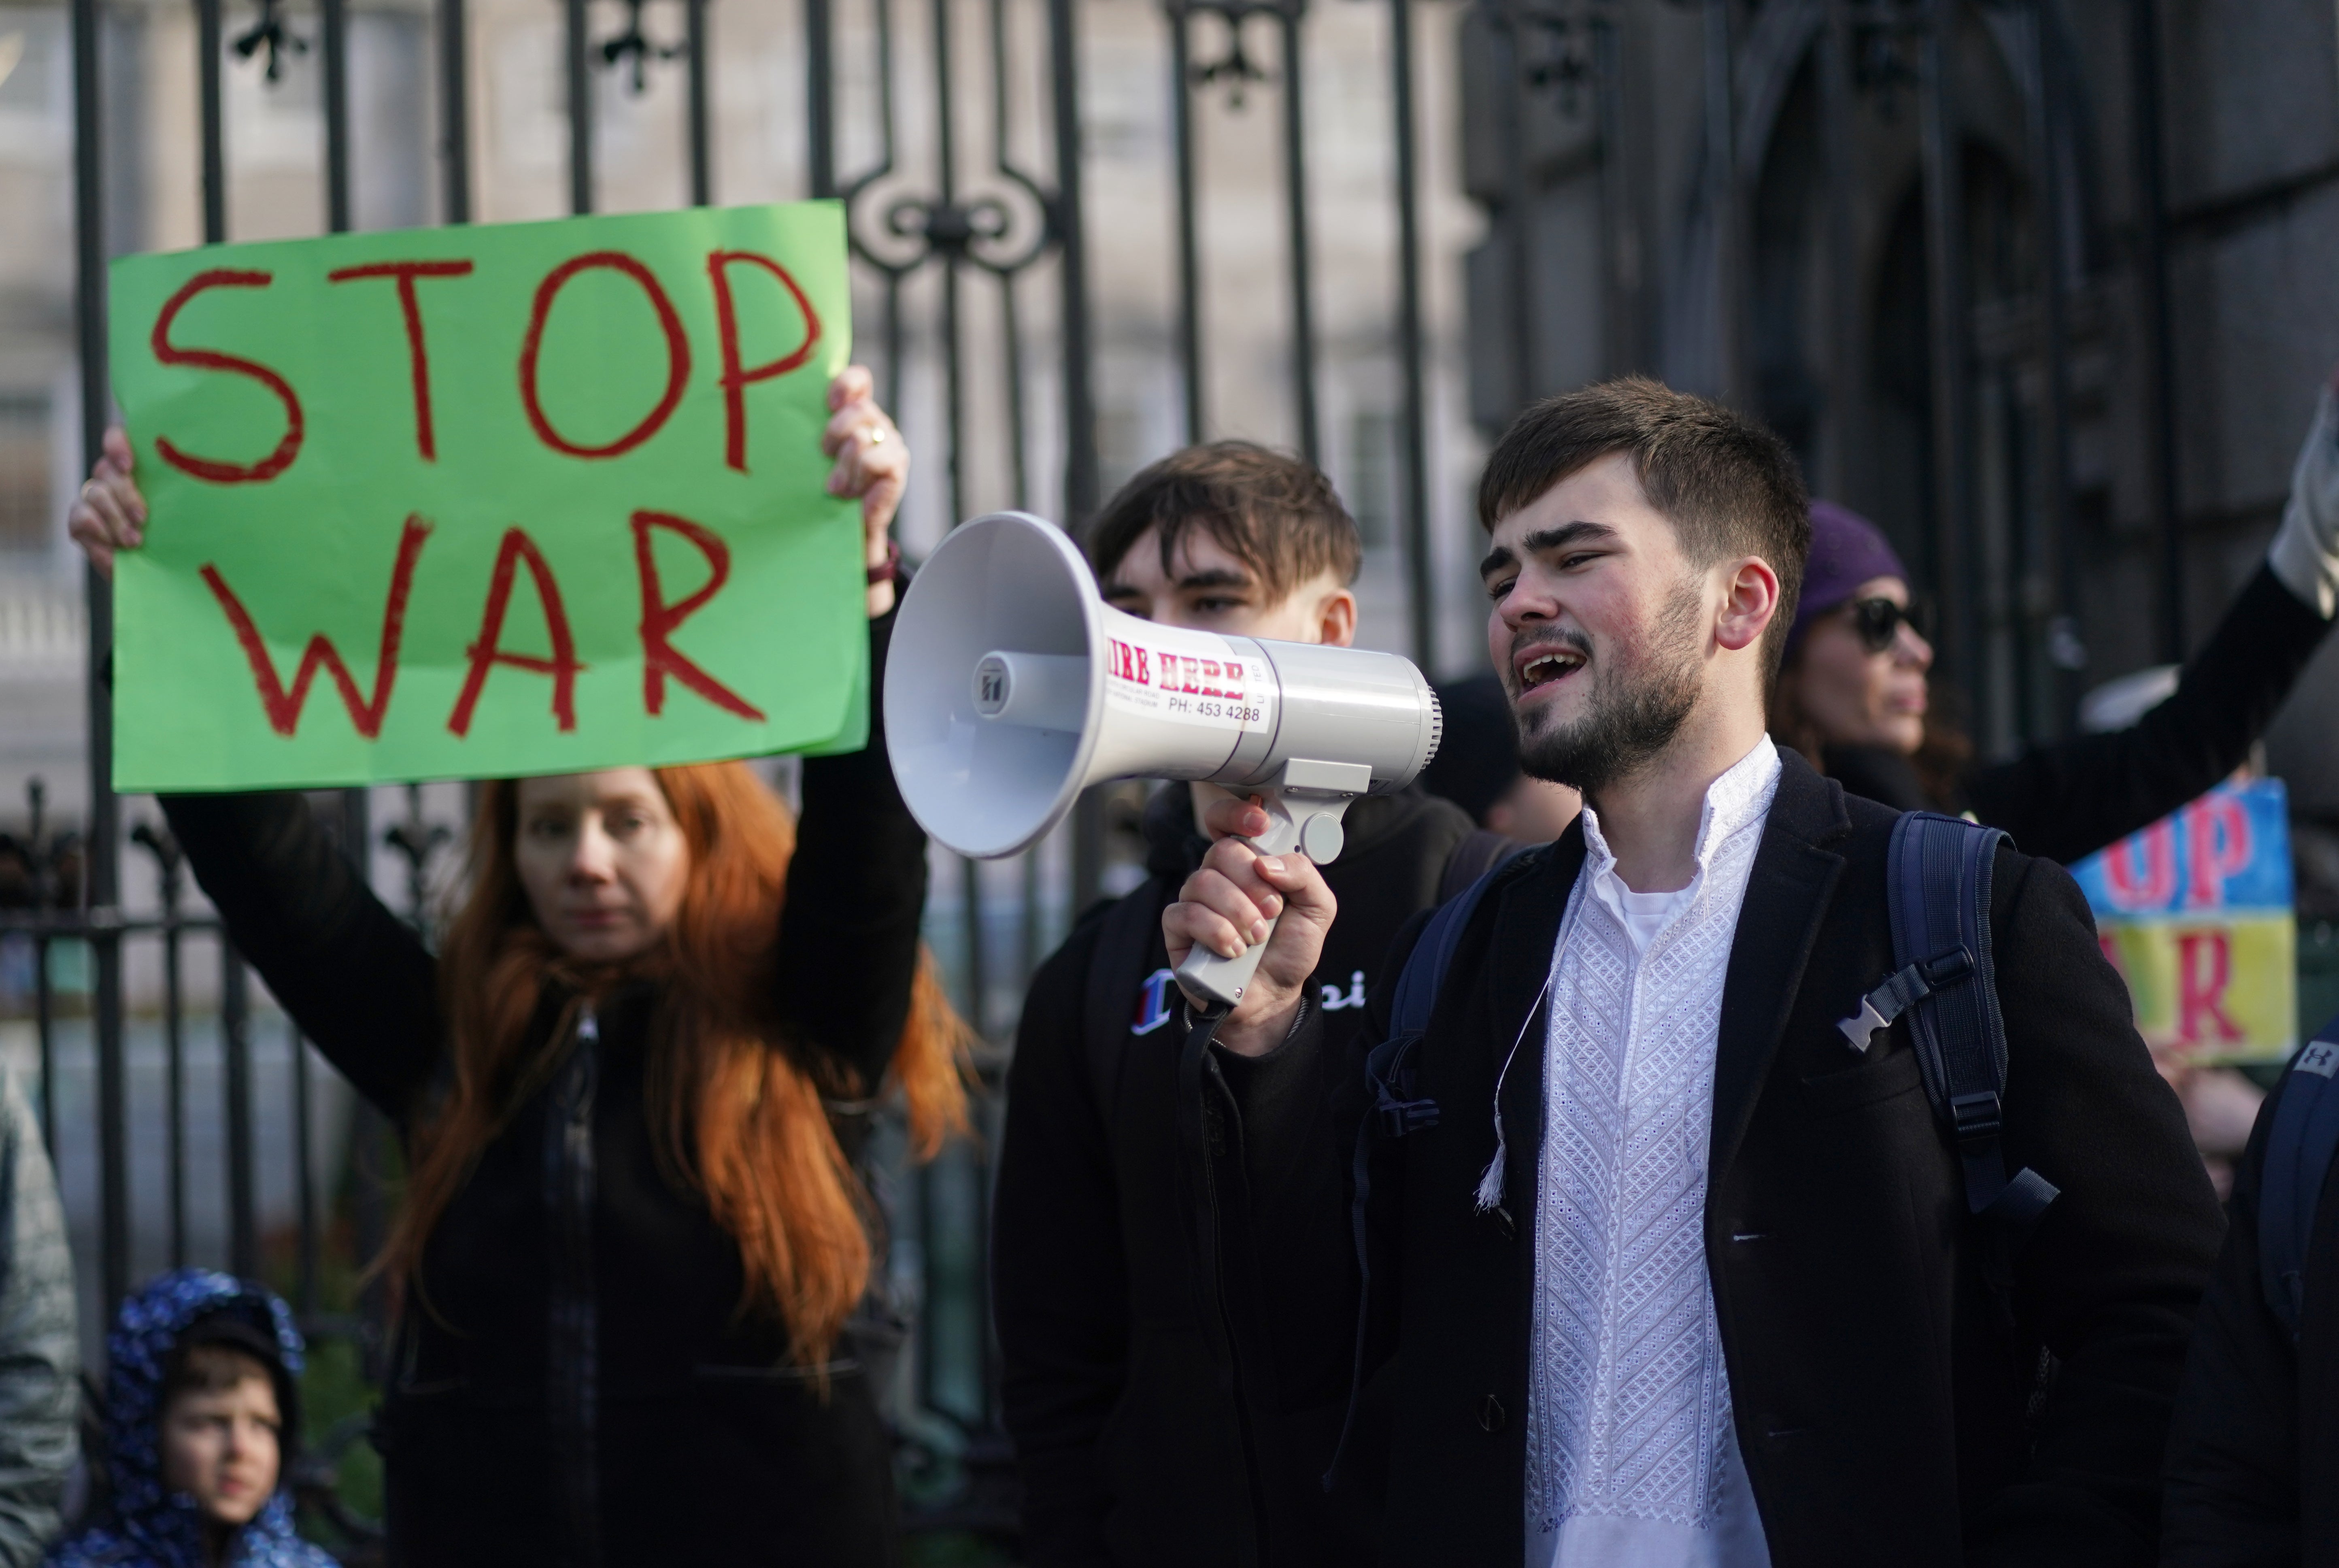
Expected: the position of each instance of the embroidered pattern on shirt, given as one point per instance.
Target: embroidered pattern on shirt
(1630, 1401)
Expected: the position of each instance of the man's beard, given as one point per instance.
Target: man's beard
(1635, 708)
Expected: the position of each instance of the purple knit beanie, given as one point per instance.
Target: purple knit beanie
(1847, 550)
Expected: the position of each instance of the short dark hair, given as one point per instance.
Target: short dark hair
(1277, 514)
(210, 1366)
(219, 1350)
(1727, 485)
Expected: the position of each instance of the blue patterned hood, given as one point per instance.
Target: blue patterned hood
(146, 1525)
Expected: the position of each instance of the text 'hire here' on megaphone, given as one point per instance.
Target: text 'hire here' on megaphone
(1010, 688)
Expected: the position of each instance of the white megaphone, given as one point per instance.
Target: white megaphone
(1010, 688)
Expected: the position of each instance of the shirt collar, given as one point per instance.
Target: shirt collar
(1740, 797)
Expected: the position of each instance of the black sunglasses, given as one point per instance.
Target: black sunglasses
(1879, 622)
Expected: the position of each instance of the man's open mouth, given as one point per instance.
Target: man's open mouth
(1546, 665)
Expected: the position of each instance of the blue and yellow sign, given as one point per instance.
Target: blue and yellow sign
(2196, 912)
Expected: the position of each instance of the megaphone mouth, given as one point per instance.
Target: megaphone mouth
(989, 758)
(1010, 686)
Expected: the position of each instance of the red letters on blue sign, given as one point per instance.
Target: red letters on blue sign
(2229, 850)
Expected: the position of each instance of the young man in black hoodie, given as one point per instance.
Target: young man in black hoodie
(1129, 1436)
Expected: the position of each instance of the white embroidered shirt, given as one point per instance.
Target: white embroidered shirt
(1631, 1461)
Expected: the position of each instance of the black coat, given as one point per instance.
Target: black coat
(1879, 1379)
(1126, 1432)
(2070, 799)
(582, 1389)
(2254, 1452)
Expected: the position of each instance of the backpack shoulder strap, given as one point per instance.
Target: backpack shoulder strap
(1425, 968)
(1118, 988)
(2298, 1156)
(1387, 1070)
(1938, 874)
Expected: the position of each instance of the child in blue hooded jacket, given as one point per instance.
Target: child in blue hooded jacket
(200, 1409)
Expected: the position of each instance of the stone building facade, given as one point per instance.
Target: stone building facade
(1739, 197)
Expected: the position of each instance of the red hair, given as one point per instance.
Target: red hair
(735, 1106)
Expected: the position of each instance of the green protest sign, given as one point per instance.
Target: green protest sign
(470, 502)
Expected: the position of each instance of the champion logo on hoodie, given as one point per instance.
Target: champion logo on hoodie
(1152, 1001)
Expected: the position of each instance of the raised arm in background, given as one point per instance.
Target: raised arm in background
(856, 891)
(2069, 800)
(1864, 713)
(355, 976)
(857, 885)
(356, 979)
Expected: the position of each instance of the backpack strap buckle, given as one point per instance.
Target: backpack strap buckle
(1947, 969)
(1400, 1117)
(1389, 1073)
(1976, 1115)
(1901, 990)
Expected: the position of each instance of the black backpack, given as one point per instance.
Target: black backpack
(2298, 1154)
(1938, 871)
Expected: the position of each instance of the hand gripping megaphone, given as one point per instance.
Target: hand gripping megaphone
(1010, 688)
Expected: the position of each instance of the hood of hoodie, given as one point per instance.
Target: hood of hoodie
(148, 1522)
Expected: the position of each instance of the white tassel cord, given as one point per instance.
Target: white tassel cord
(1490, 1181)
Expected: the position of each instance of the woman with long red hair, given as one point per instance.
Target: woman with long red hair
(632, 1236)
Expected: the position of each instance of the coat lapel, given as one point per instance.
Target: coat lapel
(1787, 896)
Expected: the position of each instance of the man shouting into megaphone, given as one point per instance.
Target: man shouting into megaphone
(1668, 1257)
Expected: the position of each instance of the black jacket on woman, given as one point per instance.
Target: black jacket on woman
(2070, 799)
(575, 1384)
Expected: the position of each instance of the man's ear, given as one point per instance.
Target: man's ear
(1750, 598)
(1336, 618)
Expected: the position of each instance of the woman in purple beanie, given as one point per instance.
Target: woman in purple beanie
(1853, 695)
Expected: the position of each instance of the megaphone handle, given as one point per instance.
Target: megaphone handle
(1223, 980)
(1310, 826)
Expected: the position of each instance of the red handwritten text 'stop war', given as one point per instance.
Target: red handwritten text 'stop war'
(212, 468)
(418, 357)
(735, 378)
(677, 353)
(283, 703)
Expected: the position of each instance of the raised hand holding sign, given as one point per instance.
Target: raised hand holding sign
(496, 500)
